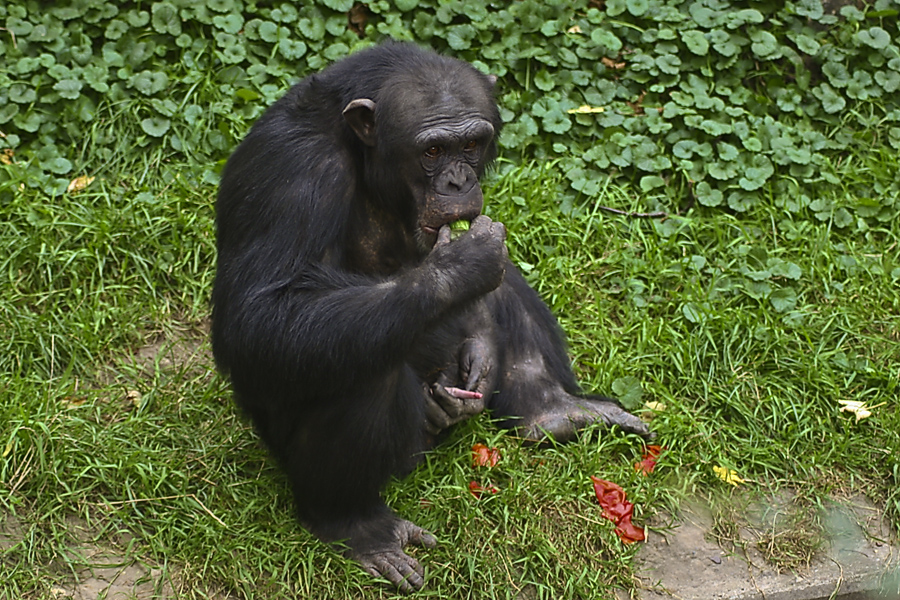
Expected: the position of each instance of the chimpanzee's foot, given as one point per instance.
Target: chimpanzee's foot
(565, 418)
(377, 544)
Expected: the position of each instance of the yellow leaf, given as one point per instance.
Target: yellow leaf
(650, 410)
(729, 476)
(8, 449)
(586, 110)
(575, 29)
(135, 397)
(79, 183)
(858, 408)
(6, 157)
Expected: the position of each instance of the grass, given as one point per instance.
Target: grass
(116, 432)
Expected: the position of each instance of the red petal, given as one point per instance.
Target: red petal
(608, 493)
(482, 456)
(653, 451)
(648, 460)
(617, 509)
(628, 532)
(477, 489)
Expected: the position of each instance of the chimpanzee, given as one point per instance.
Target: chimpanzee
(353, 326)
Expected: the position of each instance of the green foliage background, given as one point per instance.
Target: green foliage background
(725, 103)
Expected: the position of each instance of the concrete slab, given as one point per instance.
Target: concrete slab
(857, 562)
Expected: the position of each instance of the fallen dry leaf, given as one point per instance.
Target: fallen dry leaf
(651, 409)
(858, 408)
(134, 397)
(586, 109)
(79, 183)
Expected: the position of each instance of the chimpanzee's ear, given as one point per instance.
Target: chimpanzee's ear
(360, 115)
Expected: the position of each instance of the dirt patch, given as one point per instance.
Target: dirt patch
(705, 555)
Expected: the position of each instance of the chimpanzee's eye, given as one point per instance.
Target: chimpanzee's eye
(470, 146)
(433, 152)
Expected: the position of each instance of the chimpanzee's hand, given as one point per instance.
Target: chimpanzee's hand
(448, 404)
(473, 264)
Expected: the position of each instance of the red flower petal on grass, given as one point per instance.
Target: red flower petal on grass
(648, 460)
(482, 456)
(617, 509)
(629, 533)
(477, 489)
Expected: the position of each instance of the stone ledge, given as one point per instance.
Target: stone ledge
(857, 562)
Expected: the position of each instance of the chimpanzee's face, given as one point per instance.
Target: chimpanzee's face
(431, 141)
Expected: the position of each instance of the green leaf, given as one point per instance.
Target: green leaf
(222, 6)
(312, 29)
(616, 7)
(629, 392)
(757, 173)
(115, 29)
(336, 51)
(790, 270)
(651, 182)
(707, 195)
(339, 5)
(742, 17)
(29, 121)
(406, 5)
(156, 126)
(268, 31)
(742, 201)
(68, 88)
(544, 80)
(291, 49)
(695, 41)
(692, 312)
(637, 7)
(8, 112)
(607, 39)
(876, 37)
(165, 19)
(765, 45)
(843, 218)
(460, 37)
(888, 80)
(149, 82)
(668, 63)
(811, 9)
(58, 165)
(783, 299)
(832, 102)
(806, 44)
(22, 94)
(231, 23)
(556, 121)
(236, 53)
(837, 74)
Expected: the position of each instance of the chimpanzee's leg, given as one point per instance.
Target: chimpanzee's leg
(339, 452)
(537, 392)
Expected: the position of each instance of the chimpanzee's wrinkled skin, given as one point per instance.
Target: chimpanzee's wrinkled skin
(352, 327)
